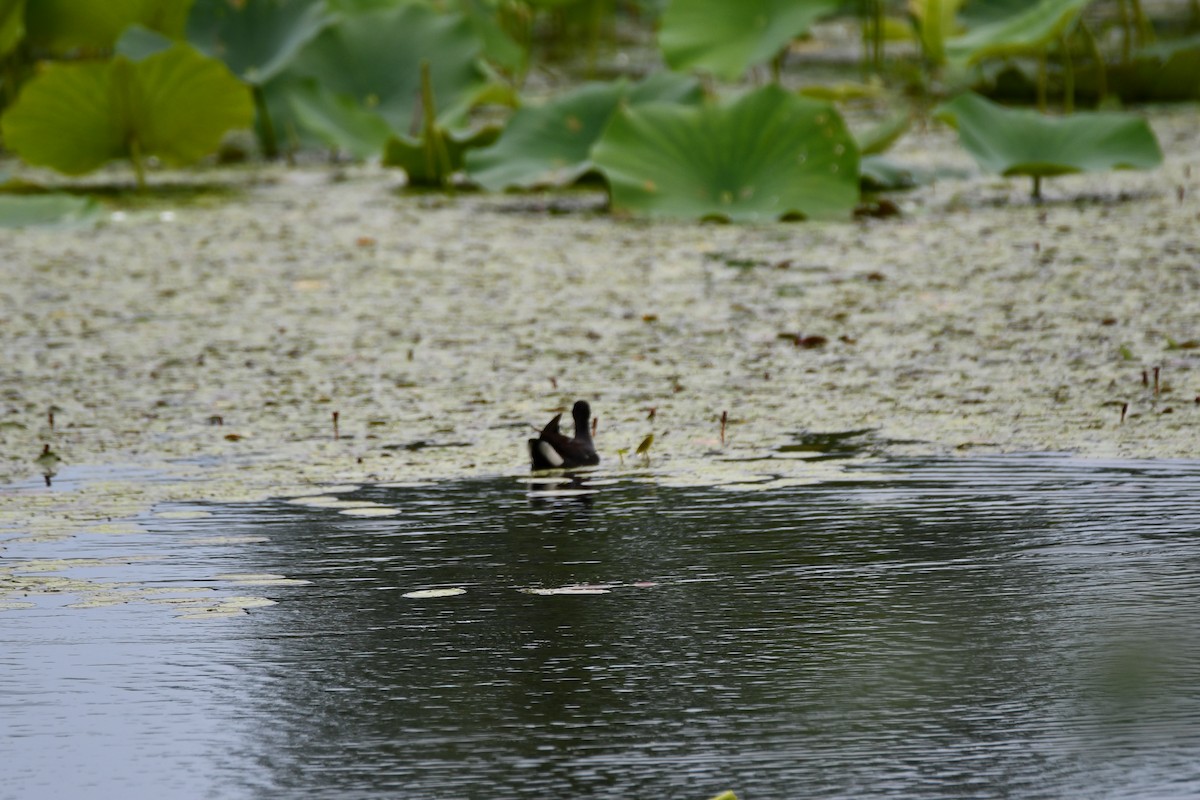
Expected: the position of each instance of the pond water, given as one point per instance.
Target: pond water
(1007, 627)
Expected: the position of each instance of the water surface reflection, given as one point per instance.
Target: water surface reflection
(1008, 627)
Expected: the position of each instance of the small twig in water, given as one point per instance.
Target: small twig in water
(1124, 411)
(595, 422)
(553, 382)
(1156, 381)
(650, 412)
(335, 426)
(1145, 378)
(724, 420)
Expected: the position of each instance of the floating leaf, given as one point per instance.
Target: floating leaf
(46, 209)
(175, 105)
(1024, 142)
(551, 144)
(586, 589)
(1027, 31)
(427, 594)
(766, 155)
(725, 38)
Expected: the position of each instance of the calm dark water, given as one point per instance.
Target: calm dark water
(1018, 627)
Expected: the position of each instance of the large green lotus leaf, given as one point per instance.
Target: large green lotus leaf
(375, 57)
(185, 104)
(1024, 142)
(551, 144)
(256, 38)
(61, 25)
(1024, 32)
(337, 120)
(175, 104)
(20, 211)
(726, 37)
(766, 155)
(12, 24)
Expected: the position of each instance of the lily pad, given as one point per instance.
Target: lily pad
(766, 155)
(551, 144)
(1024, 142)
(1027, 31)
(46, 209)
(175, 104)
(726, 38)
(429, 594)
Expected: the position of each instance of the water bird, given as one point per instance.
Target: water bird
(553, 450)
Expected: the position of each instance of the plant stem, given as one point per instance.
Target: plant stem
(139, 169)
(1041, 81)
(437, 160)
(1145, 30)
(1037, 188)
(1126, 31)
(1101, 69)
(1068, 75)
(267, 138)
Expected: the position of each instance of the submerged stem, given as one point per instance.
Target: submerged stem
(1068, 75)
(268, 141)
(139, 168)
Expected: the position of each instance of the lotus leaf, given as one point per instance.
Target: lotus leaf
(12, 24)
(1025, 32)
(766, 155)
(552, 144)
(374, 57)
(726, 38)
(175, 104)
(338, 120)
(256, 38)
(1024, 142)
(46, 209)
(61, 25)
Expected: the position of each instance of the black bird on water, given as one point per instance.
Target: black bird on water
(553, 450)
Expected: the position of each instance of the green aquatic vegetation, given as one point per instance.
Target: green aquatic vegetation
(369, 64)
(726, 38)
(552, 144)
(438, 154)
(766, 155)
(1025, 142)
(174, 105)
(257, 39)
(12, 25)
(1028, 31)
(936, 22)
(96, 25)
(19, 211)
